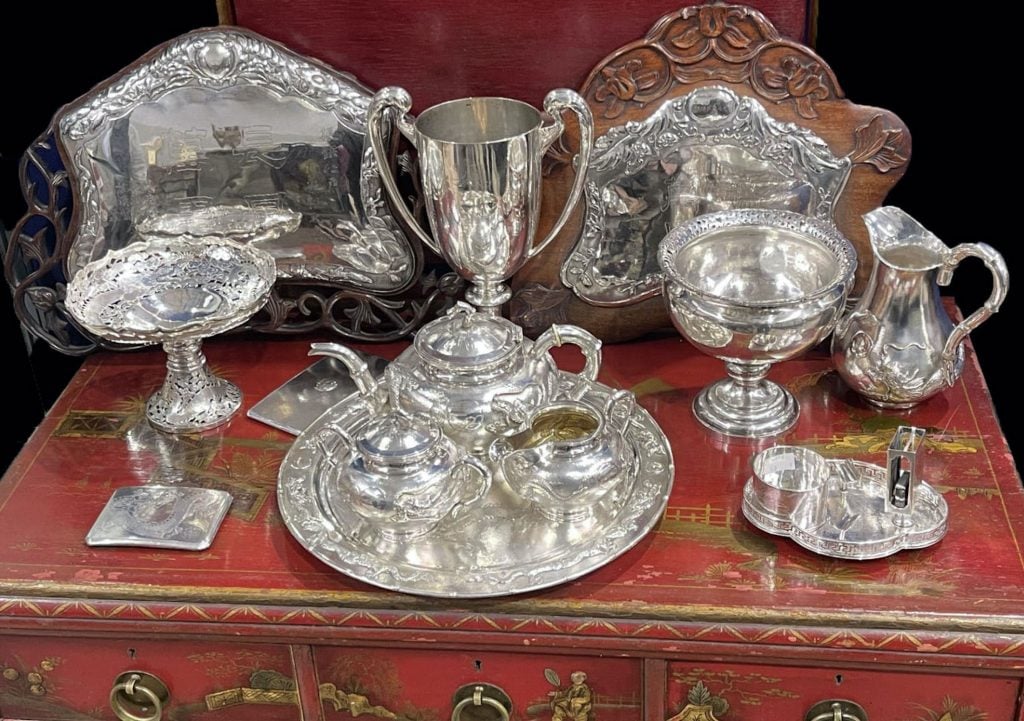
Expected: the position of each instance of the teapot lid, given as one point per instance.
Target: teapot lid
(465, 338)
(396, 438)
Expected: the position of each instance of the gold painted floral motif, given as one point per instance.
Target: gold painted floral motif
(965, 492)
(949, 711)
(701, 705)
(24, 680)
(93, 424)
(748, 689)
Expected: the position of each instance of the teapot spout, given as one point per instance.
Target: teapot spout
(368, 386)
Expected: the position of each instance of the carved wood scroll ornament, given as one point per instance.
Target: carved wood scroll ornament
(731, 46)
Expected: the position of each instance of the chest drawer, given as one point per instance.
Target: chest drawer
(423, 684)
(740, 692)
(70, 679)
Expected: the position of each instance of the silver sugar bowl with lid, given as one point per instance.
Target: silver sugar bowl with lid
(401, 473)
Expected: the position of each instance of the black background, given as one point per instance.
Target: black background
(947, 75)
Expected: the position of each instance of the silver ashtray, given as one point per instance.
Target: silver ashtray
(844, 508)
(160, 517)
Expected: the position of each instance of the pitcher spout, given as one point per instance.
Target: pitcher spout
(901, 242)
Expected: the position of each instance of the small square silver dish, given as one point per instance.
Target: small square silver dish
(305, 397)
(160, 517)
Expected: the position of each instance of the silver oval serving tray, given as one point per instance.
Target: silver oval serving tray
(499, 547)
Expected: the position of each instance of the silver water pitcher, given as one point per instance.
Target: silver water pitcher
(898, 347)
(480, 168)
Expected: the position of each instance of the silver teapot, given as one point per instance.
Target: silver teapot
(569, 456)
(401, 473)
(898, 347)
(477, 375)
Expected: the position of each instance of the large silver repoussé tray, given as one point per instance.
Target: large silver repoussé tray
(501, 546)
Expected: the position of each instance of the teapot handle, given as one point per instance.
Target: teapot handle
(560, 334)
(1000, 283)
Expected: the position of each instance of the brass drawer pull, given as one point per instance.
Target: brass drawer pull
(138, 691)
(836, 710)
(482, 695)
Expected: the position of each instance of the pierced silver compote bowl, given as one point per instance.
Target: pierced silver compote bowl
(754, 287)
(176, 292)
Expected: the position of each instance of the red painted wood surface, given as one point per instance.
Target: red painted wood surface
(705, 585)
(206, 681)
(758, 693)
(441, 50)
(420, 682)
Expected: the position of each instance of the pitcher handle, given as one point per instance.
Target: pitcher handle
(555, 103)
(559, 334)
(401, 102)
(1000, 283)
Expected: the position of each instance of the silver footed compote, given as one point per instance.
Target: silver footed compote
(753, 287)
(176, 292)
(480, 170)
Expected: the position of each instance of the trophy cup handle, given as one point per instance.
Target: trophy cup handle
(398, 99)
(555, 103)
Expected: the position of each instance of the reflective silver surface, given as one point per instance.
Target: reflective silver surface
(480, 168)
(225, 117)
(479, 377)
(706, 151)
(898, 346)
(568, 456)
(844, 508)
(302, 398)
(175, 292)
(160, 517)
(231, 222)
(503, 545)
(754, 287)
(398, 472)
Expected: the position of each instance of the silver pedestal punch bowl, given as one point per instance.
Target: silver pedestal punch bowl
(754, 287)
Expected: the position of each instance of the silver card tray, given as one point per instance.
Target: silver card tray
(160, 517)
(306, 396)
